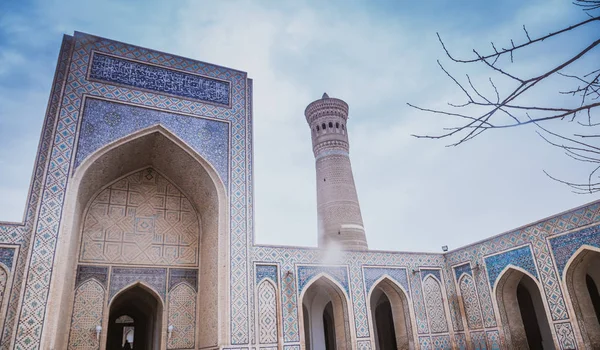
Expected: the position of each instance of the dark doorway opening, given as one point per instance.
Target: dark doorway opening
(384, 321)
(329, 327)
(135, 320)
(594, 295)
(532, 328)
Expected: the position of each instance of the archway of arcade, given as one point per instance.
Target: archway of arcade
(148, 202)
(135, 319)
(325, 317)
(390, 315)
(583, 283)
(522, 312)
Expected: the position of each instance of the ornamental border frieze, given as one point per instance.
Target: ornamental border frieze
(149, 73)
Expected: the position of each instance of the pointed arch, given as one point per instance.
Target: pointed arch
(320, 294)
(145, 305)
(434, 304)
(268, 325)
(582, 277)
(522, 310)
(182, 316)
(87, 314)
(158, 148)
(387, 290)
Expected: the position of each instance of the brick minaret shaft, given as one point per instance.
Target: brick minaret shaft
(339, 218)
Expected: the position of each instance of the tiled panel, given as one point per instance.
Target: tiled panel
(104, 122)
(189, 276)
(564, 246)
(520, 257)
(339, 273)
(7, 256)
(266, 271)
(116, 70)
(372, 274)
(121, 277)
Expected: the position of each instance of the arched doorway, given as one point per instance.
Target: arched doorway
(522, 311)
(325, 316)
(583, 282)
(135, 317)
(158, 150)
(390, 316)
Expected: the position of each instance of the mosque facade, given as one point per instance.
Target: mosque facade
(138, 233)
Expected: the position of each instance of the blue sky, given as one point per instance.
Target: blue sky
(415, 195)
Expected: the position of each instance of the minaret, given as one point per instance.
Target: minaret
(339, 218)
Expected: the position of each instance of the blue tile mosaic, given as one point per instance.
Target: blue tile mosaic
(563, 247)
(372, 274)
(436, 273)
(465, 268)
(121, 277)
(306, 273)
(105, 122)
(520, 257)
(85, 272)
(189, 276)
(6, 256)
(266, 271)
(149, 77)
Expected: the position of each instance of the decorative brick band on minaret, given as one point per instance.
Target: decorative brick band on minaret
(339, 218)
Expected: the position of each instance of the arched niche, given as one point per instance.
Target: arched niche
(522, 311)
(582, 277)
(159, 149)
(390, 316)
(146, 308)
(325, 318)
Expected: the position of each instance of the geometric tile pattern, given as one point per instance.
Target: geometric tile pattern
(147, 77)
(6, 256)
(478, 340)
(566, 337)
(85, 272)
(471, 302)
(564, 246)
(434, 302)
(520, 257)
(104, 122)
(121, 277)
(267, 313)
(364, 345)
(340, 274)
(461, 341)
(189, 276)
(493, 339)
(441, 342)
(87, 314)
(372, 274)
(266, 271)
(459, 270)
(425, 343)
(142, 219)
(182, 316)
(436, 273)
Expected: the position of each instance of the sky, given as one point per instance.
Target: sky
(415, 195)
